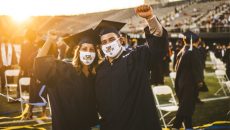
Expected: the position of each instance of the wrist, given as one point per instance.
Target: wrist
(150, 17)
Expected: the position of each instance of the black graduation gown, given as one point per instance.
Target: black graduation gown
(189, 74)
(157, 72)
(226, 59)
(72, 96)
(35, 85)
(123, 91)
(28, 51)
(166, 61)
(218, 53)
(203, 55)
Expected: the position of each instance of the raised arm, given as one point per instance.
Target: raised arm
(46, 68)
(146, 12)
(46, 47)
(156, 35)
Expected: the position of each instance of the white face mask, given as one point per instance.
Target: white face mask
(112, 49)
(87, 58)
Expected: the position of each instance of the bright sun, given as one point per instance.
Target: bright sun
(19, 18)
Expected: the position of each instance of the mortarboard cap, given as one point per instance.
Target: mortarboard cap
(87, 36)
(106, 26)
(189, 35)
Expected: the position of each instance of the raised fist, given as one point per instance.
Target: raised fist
(51, 36)
(144, 11)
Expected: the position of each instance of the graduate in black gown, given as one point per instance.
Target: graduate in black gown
(189, 78)
(70, 86)
(226, 59)
(203, 55)
(123, 92)
(29, 51)
(178, 47)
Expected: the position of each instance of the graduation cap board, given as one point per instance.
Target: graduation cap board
(106, 26)
(191, 35)
(87, 36)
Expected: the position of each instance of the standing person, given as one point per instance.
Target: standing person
(166, 62)
(217, 52)
(199, 52)
(70, 86)
(188, 79)
(126, 41)
(226, 59)
(123, 92)
(178, 47)
(29, 51)
(203, 55)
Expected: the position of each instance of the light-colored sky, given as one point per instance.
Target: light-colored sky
(61, 7)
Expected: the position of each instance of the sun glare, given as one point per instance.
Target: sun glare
(19, 18)
(22, 9)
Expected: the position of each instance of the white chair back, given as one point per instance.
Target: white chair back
(13, 72)
(220, 73)
(24, 81)
(164, 107)
(162, 90)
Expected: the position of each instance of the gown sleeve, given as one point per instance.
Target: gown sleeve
(154, 51)
(47, 69)
(157, 46)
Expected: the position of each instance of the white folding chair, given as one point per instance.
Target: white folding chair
(222, 79)
(221, 67)
(24, 96)
(228, 85)
(213, 59)
(172, 76)
(9, 86)
(48, 98)
(165, 108)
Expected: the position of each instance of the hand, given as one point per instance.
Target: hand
(51, 36)
(144, 11)
(200, 84)
(60, 42)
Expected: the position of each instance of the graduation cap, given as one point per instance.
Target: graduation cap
(87, 36)
(191, 36)
(106, 26)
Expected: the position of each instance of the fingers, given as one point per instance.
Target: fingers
(52, 35)
(142, 8)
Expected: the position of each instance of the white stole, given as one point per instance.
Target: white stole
(191, 46)
(6, 58)
(17, 49)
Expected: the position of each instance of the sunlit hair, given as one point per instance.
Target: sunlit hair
(78, 64)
